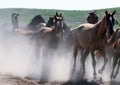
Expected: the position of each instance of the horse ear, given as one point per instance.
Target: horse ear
(114, 12)
(55, 17)
(106, 12)
(56, 14)
(95, 12)
(60, 15)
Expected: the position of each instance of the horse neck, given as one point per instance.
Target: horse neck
(102, 29)
(110, 32)
(49, 24)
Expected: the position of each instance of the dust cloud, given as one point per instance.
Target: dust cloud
(17, 57)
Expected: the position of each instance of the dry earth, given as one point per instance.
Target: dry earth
(8, 79)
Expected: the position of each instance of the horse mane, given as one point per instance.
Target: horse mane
(65, 27)
(102, 29)
(35, 21)
(50, 22)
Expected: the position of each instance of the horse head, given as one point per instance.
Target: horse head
(110, 22)
(107, 24)
(58, 22)
(92, 17)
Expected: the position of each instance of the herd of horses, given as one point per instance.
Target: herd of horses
(94, 37)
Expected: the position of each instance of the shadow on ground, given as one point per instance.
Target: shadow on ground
(82, 82)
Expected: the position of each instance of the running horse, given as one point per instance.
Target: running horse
(113, 50)
(91, 37)
(50, 35)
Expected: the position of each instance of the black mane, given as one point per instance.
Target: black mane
(35, 21)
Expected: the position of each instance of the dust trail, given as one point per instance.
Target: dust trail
(17, 57)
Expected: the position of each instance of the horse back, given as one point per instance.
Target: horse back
(85, 35)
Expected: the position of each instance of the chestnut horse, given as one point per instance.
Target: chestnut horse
(91, 37)
(113, 49)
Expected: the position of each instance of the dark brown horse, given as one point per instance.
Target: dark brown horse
(113, 49)
(92, 17)
(116, 58)
(91, 37)
(50, 36)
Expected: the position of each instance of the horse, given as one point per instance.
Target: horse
(49, 35)
(92, 17)
(91, 37)
(113, 51)
(35, 22)
(14, 19)
(116, 58)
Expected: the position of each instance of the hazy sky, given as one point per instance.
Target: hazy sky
(60, 4)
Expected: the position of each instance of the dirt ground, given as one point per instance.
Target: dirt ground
(14, 80)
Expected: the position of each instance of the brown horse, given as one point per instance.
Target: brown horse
(116, 58)
(113, 49)
(92, 17)
(91, 37)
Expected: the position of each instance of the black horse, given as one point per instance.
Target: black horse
(35, 22)
(52, 35)
(92, 17)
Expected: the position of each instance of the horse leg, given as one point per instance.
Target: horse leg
(84, 54)
(105, 62)
(114, 65)
(37, 49)
(93, 63)
(116, 73)
(76, 49)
